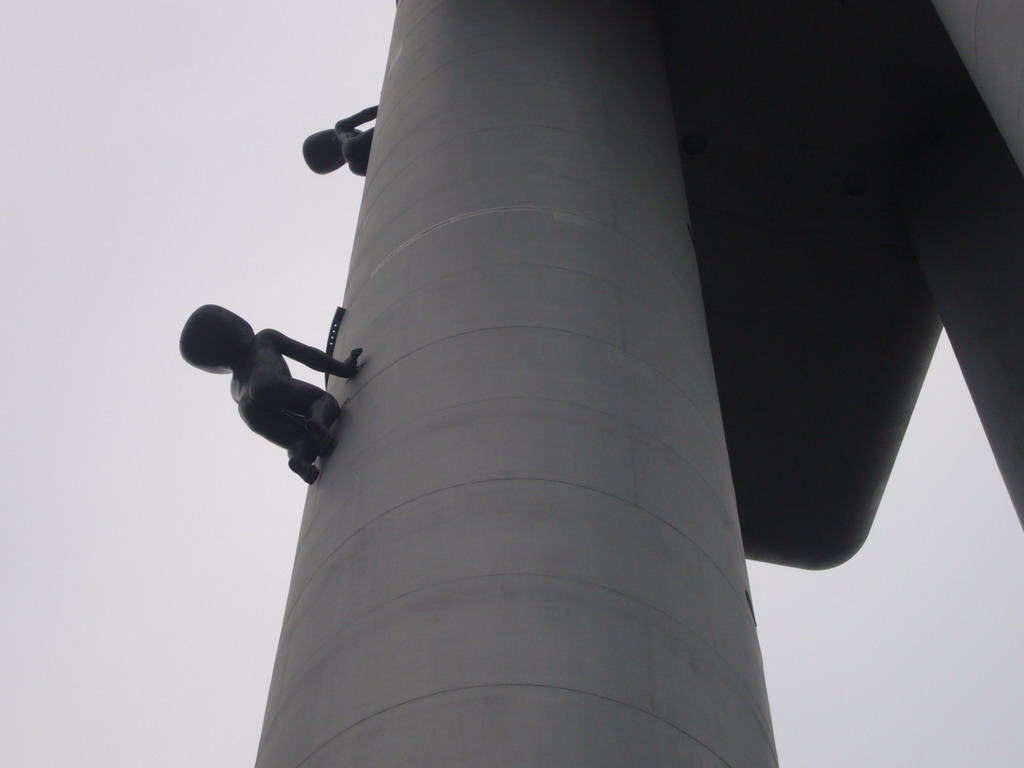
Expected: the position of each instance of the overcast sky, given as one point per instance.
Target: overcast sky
(151, 163)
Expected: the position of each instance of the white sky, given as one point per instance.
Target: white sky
(150, 157)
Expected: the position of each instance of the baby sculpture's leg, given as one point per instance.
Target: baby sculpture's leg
(356, 151)
(303, 466)
(319, 408)
(285, 430)
(321, 417)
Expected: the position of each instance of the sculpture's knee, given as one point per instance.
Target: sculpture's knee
(325, 410)
(356, 151)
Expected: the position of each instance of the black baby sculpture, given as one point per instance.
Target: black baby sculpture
(290, 413)
(327, 151)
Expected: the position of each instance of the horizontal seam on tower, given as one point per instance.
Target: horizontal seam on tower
(632, 598)
(671, 383)
(741, 598)
(507, 209)
(531, 398)
(376, 193)
(499, 264)
(473, 214)
(704, 481)
(521, 685)
(512, 45)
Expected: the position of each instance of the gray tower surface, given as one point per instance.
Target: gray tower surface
(527, 548)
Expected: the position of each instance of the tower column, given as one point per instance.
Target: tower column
(525, 549)
(963, 212)
(987, 34)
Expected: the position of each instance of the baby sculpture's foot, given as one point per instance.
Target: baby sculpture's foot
(303, 469)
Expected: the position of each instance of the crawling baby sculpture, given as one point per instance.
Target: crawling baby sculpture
(290, 413)
(327, 151)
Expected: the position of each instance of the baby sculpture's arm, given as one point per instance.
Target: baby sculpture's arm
(314, 358)
(351, 123)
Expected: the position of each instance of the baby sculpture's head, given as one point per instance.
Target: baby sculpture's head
(213, 337)
(322, 152)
